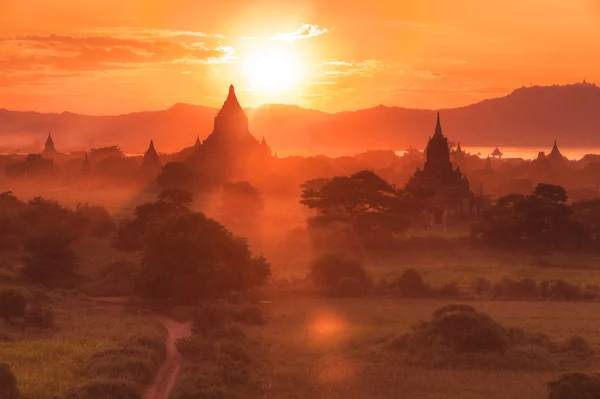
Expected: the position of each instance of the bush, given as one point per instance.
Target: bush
(328, 270)
(350, 287)
(559, 289)
(49, 259)
(39, 317)
(412, 285)
(197, 347)
(210, 317)
(8, 383)
(508, 288)
(249, 314)
(12, 304)
(575, 386)
(105, 389)
(118, 278)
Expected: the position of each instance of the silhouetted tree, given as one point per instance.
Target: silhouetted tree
(328, 270)
(370, 205)
(34, 166)
(188, 256)
(94, 219)
(117, 168)
(177, 175)
(241, 206)
(538, 221)
(551, 192)
(130, 234)
(49, 259)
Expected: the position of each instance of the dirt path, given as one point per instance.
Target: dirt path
(169, 371)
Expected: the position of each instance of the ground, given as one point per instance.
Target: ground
(323, 348)
(49, 362)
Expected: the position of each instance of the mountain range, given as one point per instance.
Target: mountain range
(528, 116)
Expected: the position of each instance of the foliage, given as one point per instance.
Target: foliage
(538, 221)
(368, 204)
(351, 287)
(411, 284)
(49, 259)
(189, 256)
(575, 386)
(131, 232)
(241, 201)
(97, 222)
(328, 270)
(32, 167)
(249, 314)
(12, 304)
(38, 316)
(8, 383)
(117, 167)
(177, 175)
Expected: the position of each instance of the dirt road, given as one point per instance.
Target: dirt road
(168, 372)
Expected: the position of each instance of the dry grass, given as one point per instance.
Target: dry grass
(322, 348)
(49, 362)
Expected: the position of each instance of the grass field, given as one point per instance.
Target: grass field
(322, 348)
(49, 362)
(461, 265)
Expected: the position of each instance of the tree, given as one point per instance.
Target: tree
(49, 259)
(12, 304)
(367, 203)
(130, 234)
(177, 175)
(538, 221)
(33, 166)
(8, 383)
(188, 256)
(94, 219)
(117, 167)
(241, 206)
(328, 270)
(550, 192)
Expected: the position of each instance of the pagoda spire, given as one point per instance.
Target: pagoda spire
(438, 127)
(85, 166)
(49, 146)
(197, 143)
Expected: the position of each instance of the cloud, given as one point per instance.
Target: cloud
(38, 55)
(429, 75)
(364, 68)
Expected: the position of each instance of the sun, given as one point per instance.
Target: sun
(272, 70)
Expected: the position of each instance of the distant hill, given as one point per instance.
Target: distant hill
(527, 116)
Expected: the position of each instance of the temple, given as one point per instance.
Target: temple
(86, 167)
(230, 152)
(555, 155)
(442, 185)
(151, 162)
(49, 149)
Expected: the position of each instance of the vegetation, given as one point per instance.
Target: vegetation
(188, 256)
(12, 304)
(329, 270)
(49, 259)
(8, 383)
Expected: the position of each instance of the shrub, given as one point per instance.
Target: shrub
(328, 270)
(235, 351)
(8, 383)
(559, 289)
(196, 346)
(575, 386)
(12, 304)
(105, 389)
(249, 314)
(411, 284)
(49, 259)
(350, 287)
(38, 316)
(210, 317)
(132, 366)
(483, 288)
(578, 344)
(118, 278)
(449, 290)
(466, 330)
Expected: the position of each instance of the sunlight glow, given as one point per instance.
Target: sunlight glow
(273, 69)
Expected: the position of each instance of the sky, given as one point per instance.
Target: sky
(119, 56)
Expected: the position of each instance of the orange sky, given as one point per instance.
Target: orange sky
(115, 56)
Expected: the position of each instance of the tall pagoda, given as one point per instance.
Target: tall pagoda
(441, 184)
(151, 161)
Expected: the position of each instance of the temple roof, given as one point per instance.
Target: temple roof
(49, 146)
